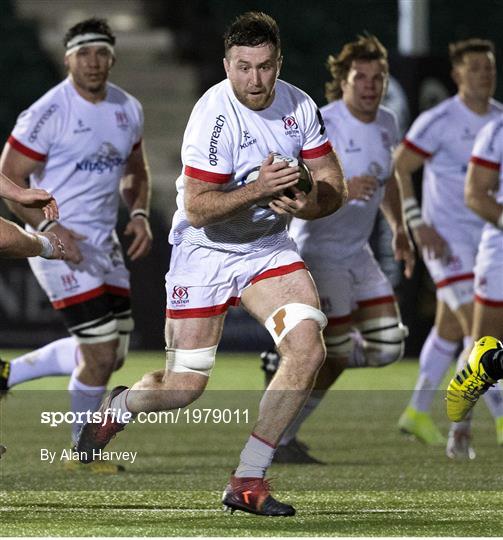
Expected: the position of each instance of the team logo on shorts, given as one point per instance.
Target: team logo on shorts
(180, 295)
(69, 281)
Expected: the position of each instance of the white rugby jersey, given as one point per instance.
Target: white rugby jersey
(444, 135)
(82, 148)
(488, 152)
(224, 141)
(364, 149)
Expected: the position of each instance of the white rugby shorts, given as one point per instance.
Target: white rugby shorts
(204, 282)
(66, 284)
(489, 274)
(348, 284)
(453, 274)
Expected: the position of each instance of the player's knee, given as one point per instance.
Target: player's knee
(125, 326)
(198, 361)
(383, 340)
(287, 317)
(97, 332)
(339, 347)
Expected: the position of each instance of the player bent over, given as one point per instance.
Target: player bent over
(227, 250)
(484, 195)
(82, 141)
(364, 324)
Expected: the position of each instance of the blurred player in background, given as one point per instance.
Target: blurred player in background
(447, 232)
(484, 195)
(14, 241)
(82, 141)
(364, 325)
(227, 250)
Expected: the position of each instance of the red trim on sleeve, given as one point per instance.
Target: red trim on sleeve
(337, 321)
(376, 301)
(279, 271)
(79, 298)
(317, 152)
(203, 312)
(416, 149)
(136, 145)
(206, 176)
(487, 302)
(454, 279)
(28, 152)
(485, 163)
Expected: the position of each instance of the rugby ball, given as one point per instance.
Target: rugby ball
(304, 183)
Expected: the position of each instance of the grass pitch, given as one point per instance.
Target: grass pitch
(376, 482)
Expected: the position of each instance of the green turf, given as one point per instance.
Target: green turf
(376, 482)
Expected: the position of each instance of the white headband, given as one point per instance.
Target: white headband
(89, 40)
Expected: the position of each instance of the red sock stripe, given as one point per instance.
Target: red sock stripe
(263, 440)
(279, 271)
(377, 301)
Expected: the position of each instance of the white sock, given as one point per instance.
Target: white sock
(57, 358)
(292, 430)
(255, 458)
(494, 401)
(83, 398)
(434, 360)
(119, 406)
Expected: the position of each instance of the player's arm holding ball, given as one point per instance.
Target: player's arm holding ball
(207, 202)
(329, 191)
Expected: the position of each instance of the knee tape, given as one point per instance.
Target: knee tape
(125, 325)
(289, 316)
(339, 346)
(383, 340)
(97, 331)
(200, 361)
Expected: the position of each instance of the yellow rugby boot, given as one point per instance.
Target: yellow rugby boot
(472, 381)
(421, 426)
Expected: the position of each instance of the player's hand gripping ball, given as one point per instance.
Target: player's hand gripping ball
(304, 183)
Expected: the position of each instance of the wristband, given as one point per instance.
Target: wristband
(46, 225)
(499, 223)
(412, 213)
(139, 212)
(47, 247)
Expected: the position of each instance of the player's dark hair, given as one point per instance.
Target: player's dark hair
(93, 25)
(365, 48)
(458, 49)
(252, 29)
